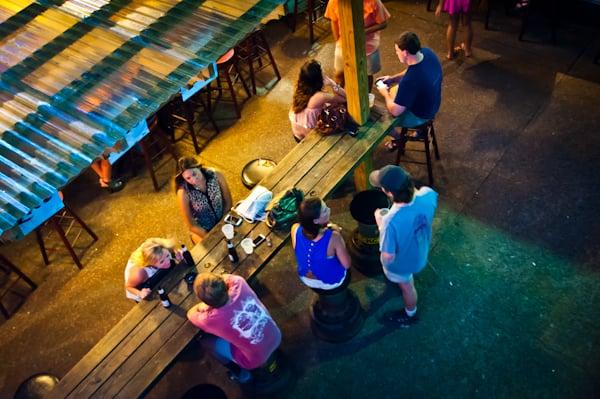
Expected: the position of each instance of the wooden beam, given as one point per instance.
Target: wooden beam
(352, 32)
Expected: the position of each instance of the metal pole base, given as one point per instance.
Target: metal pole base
(337, 317)
(273, 377)
(365, 257)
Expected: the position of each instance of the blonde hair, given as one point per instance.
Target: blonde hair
(211, 289)
(150, 250)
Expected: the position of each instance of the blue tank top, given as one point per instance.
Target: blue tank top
(312, 256)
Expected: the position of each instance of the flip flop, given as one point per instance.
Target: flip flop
(392, 145)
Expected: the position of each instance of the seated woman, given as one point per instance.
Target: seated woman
(153, 255)
(321, 254)
(309, 98)
(203, 196)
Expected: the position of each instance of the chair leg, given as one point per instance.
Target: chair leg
(82, 223)
(434, 141)
(233, 96)
(428, 157)
(15, 269)
(40, 241)
(207, 109)
(400, 150)
(241, 78)
(429, 5)
(270, 55)
(148, 159)
(59, 230)
(189, 117)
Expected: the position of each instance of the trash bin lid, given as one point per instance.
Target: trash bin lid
(256, 170)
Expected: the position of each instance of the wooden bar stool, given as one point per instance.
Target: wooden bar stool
(229, 75)
(154, 145)
(7, 267)
(314, 10)
(425, 134)
(254, 54)
(66, 217)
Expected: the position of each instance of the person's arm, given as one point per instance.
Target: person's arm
(375, 28)
(319, 99)
(184, 205)
(137, 276)
(390, 104)
(225, 192)
(293, 234)
(340, 250)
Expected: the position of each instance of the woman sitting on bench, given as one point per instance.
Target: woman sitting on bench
(310, 98)
(145, 264)
(321, 254)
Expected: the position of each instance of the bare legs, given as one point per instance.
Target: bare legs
(339, 79)
(451, 32)
(409, 295)
(104, 171)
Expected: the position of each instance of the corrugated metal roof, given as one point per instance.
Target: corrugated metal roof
(77, 76)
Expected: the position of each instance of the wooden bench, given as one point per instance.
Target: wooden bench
(141, 346)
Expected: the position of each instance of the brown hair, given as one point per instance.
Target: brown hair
(183, 164)
(308, 211)
(310, 81)
(409, 41)
(211, 289)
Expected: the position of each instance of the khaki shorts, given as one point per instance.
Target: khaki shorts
(398, 278)
(373, 61)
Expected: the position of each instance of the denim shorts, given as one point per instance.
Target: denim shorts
(373, 61)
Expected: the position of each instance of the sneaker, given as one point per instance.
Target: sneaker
(399, 318)
(243, 377)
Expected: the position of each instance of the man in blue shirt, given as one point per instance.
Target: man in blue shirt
(419, 87)
(404, 234)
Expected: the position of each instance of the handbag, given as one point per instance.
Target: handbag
(332, 119)
(284, 211)
(253, 207)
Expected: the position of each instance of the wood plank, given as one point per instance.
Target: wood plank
(352, 32)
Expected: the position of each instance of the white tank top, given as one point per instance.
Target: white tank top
(150, 271)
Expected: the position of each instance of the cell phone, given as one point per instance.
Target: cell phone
(258, 240)
(380, 84)
(233, 219)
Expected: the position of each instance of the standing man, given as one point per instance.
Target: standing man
(404, 235)
(375, 16)
(419, 87)
(243, 333)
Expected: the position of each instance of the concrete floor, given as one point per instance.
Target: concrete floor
(509, 304)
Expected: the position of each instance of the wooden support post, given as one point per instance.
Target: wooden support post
(352, 32)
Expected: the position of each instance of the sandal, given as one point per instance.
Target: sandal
(112, 186)
(393, 144)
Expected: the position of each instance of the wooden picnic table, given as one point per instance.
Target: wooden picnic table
(136, 351)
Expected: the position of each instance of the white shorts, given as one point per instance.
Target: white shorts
(373, 60)
(398, 278)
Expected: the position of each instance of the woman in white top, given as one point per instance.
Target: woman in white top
(310, 98)
(154, 254)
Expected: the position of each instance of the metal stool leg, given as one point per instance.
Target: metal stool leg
(428, 158)
(148, 160)
(82, 223)
(59, 230)
(189, 116)
(434, 141)
(40, 241)
(17, 271)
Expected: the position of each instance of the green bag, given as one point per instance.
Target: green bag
(285, 211)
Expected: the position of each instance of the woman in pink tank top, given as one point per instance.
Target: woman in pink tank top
(310, 98)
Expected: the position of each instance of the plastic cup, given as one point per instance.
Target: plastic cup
(228, 231)
(371, 100)
(247, 245)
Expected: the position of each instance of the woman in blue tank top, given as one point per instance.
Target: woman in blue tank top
(321, 254)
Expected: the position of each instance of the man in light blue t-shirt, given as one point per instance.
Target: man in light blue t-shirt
(404, 234)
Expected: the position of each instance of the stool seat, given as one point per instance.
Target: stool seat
(226, 57)
(256, 170)
(36, 387)
(425, 134)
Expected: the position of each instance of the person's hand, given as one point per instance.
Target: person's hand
(334, 226)
(178, 255)
(144, 292)
(383, 90)
(327, 81)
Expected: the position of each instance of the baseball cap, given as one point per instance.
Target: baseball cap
(390, 177)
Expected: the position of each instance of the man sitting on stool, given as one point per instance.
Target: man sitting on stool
(419, 87)
(243, 333)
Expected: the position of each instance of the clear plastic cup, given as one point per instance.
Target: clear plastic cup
(371, 100)
(228, 231)
(247, 245)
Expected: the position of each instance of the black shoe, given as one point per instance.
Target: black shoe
(114, 186)
(242, 377)
(399, 318)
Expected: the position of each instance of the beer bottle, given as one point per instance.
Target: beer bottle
(164, 298)
(233, 256)
(187, 256)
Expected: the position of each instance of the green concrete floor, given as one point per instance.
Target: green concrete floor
(509, 304)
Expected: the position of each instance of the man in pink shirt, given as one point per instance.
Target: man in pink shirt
(243, 333)
(375, 16)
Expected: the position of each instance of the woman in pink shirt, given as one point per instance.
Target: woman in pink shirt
(310, 98)
(243, 333)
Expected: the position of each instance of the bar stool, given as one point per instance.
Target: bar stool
(7, 266)
(67, 217)
(255, 54)
(228, 74)
(423, 134)
(153, 146)
(313, 13)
